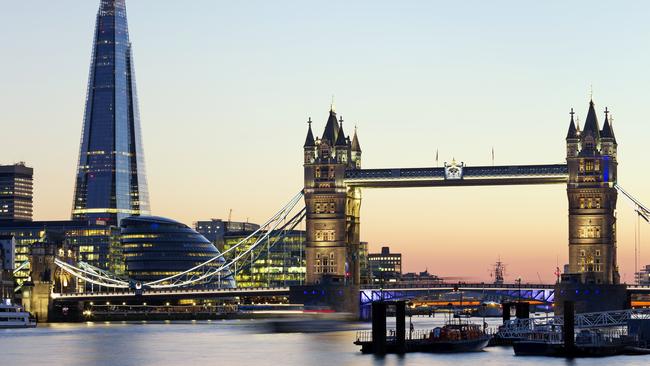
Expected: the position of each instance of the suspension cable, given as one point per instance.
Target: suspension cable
(273, 223)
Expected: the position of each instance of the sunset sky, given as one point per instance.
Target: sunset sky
(226, 88)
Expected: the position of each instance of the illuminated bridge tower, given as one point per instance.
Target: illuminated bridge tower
(332, 247)
(593, 278)
(111, 182)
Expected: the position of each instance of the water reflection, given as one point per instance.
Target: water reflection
(233, 342)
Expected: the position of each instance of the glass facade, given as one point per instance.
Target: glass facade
(92, 243)
(156, 247)
(283, 265)
(111, 182)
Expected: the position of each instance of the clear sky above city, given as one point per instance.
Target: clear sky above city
(226, 88)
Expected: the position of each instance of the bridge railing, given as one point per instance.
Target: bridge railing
(460, 285)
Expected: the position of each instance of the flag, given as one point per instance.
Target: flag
(436, 156)
(492, 155)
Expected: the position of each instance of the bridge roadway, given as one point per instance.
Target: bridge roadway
(470, 176)
(175, 293)
(368, 293)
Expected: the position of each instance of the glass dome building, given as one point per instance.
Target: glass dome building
(156, 247)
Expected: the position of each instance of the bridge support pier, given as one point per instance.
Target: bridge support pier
(588, 298)
(36, 299)
(379, 327)
(327, 294)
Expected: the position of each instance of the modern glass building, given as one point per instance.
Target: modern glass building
(111, 182)
(282, 265)
(94, 244)
(157, 247)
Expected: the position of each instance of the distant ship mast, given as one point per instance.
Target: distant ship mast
(498, 272)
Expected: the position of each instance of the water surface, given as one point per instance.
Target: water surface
(232, 342)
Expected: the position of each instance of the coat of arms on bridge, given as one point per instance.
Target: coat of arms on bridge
(454, 170)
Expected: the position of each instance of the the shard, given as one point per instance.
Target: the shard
(111, 183)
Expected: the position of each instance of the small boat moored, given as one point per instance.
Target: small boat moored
(13, 316)
(454, 337)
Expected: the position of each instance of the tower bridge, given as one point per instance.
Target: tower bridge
(333, 181)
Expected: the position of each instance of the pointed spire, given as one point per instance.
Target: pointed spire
(331, 128)
(340, 139)
(607, 131)
(355, 141)
(573, 133)
(591, 123)
(309, 141)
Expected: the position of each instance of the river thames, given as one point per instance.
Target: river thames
(231, 342)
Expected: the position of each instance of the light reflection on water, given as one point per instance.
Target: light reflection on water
(232, 342)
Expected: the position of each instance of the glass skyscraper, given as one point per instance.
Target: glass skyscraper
(111, 182)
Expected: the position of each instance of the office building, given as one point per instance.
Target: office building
(7, 249)
(215, 230)
(92, 243)
(16, 192)
(385, 266)
(282, 265)
(111, 183)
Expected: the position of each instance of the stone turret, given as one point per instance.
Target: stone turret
(592, 202)
(572, 138)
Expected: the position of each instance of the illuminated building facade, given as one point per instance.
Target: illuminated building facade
(332, 247)
(16, 192)
(592, 166)
(215, 230)
(643, 276)
(363, 262)
(283, 264)
(111, 182)
(157, 247)
(385, 266)
(91, 243)
(7, 250)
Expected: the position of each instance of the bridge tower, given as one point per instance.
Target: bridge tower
(591, 161)
(332, 247)
(592, 280)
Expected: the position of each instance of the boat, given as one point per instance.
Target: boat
(489, 309)
(543, 342)
(13, 316)
(588, 343)
(453, 337)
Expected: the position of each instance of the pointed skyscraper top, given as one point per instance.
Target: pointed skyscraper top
(108, 7)
(591, 123)
(340, 139)
(607, 131)
(331, 128)
(309, 141)
(355, 142)
(573, 132)
(111, 126)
